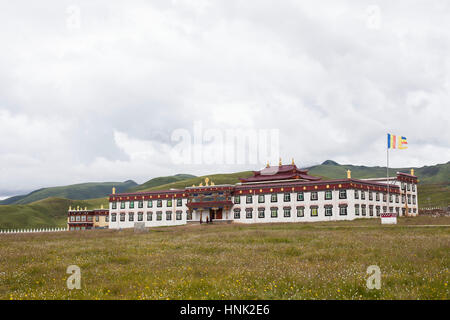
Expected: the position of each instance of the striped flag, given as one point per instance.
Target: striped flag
(398, 142)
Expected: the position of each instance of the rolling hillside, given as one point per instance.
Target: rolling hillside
(51, 212)
(82, 191)
(161, 181)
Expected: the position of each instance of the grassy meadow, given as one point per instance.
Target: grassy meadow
(323, 260)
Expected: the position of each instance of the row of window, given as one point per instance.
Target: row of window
(131, 204)
(328, 195)
(313, 211)
(408, 186)
(149, 216)
(314, 195)
(86, 218)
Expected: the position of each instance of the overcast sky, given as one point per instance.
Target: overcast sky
(93, 90)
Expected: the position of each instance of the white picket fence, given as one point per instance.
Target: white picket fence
(42, 230)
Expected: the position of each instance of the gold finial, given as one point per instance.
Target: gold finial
(412, 172)
(349, 174)
(201, 184)
(193, 185)
(85, 208)
(268, 164)
(212, 183)
(293, 163)
(101, 207)
(78, 208)
(114, 190)
(206, 181)
(279, 163)
(70, 208)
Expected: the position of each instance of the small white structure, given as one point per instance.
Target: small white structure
(388, 218)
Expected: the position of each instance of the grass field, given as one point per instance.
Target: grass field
(326, 260)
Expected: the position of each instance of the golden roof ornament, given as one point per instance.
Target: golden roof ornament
(70, 208)
(349, 174)
(280, 163)
(114, 190)
(412, 172)
(78, 208)
(212, 183)
(293, 163)
(101, 207)
(201, 184)
(268, 164)
(206, 181)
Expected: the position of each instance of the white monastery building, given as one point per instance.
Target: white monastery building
(282, 193)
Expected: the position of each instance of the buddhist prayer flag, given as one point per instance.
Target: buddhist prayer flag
(398, 142)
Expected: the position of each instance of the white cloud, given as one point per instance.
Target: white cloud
(99, 102)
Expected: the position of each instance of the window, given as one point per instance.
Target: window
(273, 212)
(179, 213)
(343, 210)
(188, 215)
(414, 188)
(371, 211)
(83, 218)
(356, 209)
(328, 211)
(409, 199)
(131, 205)
(179, 202)
(390, 198)
(249, 213)
(356, 194)
(314, 211)
(237, 214)
(159, 215)
(396, 198)
(287, 197)
(370, 195)
(78, 218)
(378, 209)
(314, 195)
(130, 216)
(113, 217)
(261, 213)
(149, 216)
(237, 199)
(168, 215)
(72, 218)
(342, 194)
(363, 195)
(287, 212)
(159, 203)
(384, 197)
(122, 205)
(114, 206)
(300, 196)
(122, 217)
(300, 212)
(89, 218)
(140, 216)
(403, 186)
(261, 198)
(408, 186)
(414, 199)
(273, 198)
(403, 198)
(97, 218)
(397, 210)
(140, 204)
(249, 199)
(169, 203)
(377, 197)
(328, 195)
(363, 209)
(149, 204)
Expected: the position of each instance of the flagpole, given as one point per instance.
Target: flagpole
(387, 177)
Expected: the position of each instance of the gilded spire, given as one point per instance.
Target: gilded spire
(293, 162)
(114, 190)
(349, 174)
(280, 163)
(268, 164)
(412, 172)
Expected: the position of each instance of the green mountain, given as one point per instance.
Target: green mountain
(82, 191)
(161, 181)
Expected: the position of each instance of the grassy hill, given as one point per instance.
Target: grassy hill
(161, 181)
(51, 212)
(81, 191)
(226, 178)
